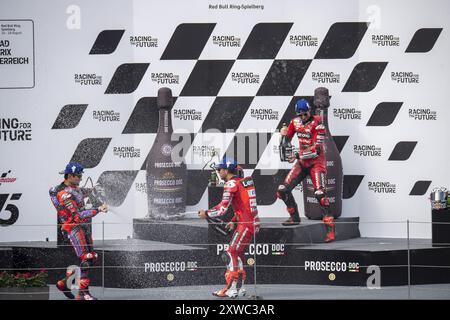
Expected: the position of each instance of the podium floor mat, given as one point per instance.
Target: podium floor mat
(272, 292)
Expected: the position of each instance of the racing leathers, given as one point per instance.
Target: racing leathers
(310, 160)
(241, 194)
(74, 221)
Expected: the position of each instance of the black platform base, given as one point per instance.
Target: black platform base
(440, 230)
(143, 264)
(198, 232)
(368, 262)
(188, 252)
(6, 258)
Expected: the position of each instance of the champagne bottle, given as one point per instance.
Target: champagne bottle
(334, 177)
(285, 146)
(213, 179)
(166, 179)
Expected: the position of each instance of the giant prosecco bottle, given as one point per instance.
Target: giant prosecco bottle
(166, 172)
(334, 177)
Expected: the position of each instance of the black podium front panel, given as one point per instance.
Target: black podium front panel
(440, 230)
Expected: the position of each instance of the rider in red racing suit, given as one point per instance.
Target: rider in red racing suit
(73, 218)
(310, 160)
(241, 194)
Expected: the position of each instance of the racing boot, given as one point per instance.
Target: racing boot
(83, 293)
(294, 218)
(62, 285)
(240, 283)
(330, 225)
(230, 290)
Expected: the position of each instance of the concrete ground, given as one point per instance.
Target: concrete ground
(273, 292)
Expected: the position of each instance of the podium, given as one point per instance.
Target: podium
(440, 228)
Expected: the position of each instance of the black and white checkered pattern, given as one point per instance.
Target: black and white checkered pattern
(282, 78)
(277, 55)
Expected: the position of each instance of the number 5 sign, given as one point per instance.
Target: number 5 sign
(9, 207)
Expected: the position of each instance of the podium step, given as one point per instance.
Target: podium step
(131, 263)
(307, 232)
(188, 231)
(198, 232)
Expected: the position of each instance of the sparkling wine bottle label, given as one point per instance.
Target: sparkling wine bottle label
(166, 179)
(334, 176)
